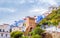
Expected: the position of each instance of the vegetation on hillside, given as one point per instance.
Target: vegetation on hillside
(52, 18)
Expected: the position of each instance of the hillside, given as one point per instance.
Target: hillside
(52, 18)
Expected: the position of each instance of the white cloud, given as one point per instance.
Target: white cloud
(22, 1)
(6, 22)
(16, 2)
(7, 9)
(51, 2)
(38, 11)
(25, 1)
(13, 1)
(35, 10)
(30, 1)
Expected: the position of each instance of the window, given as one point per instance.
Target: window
(0, 30)
(7, 31)
(2, 34)
(6, 35)
(10, 30)
(3, 30)
(14, 29)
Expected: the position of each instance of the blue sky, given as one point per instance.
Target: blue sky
(11, 10)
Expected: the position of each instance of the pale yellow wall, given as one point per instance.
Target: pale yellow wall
(16, 29)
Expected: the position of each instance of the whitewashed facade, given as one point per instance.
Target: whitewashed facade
(4, 31)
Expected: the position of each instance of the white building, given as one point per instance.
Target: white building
(21, 27)
(4, 31)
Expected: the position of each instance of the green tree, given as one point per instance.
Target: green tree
(38, 25)
(37, 30)
(36, 36)
(16, 34)
(25, 36)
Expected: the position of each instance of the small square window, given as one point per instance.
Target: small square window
(6, 35)
(3, 30)
(2, 34)
(0, 30)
